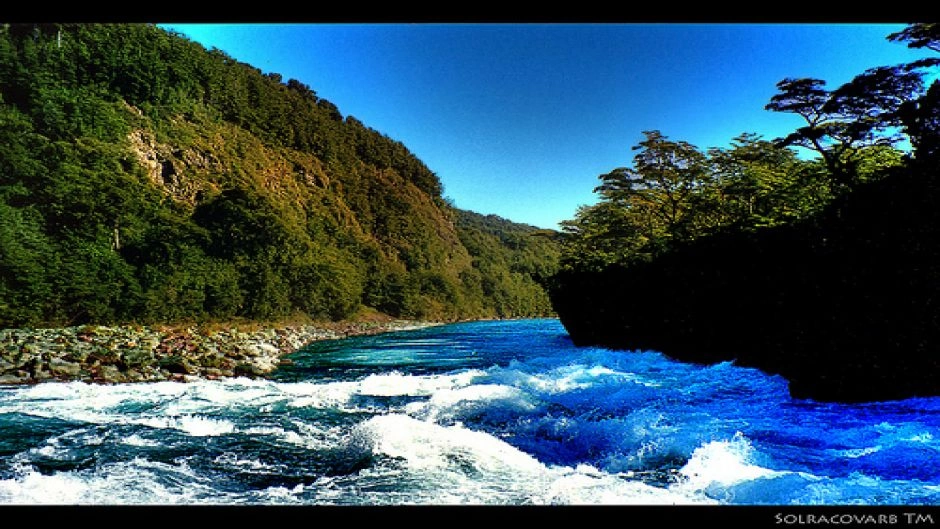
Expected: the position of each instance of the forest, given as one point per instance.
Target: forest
(674, 192)
(822, 269)
(145, 179)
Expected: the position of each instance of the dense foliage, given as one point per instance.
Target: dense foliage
(674, 192)
(144, 178)
(821, 270)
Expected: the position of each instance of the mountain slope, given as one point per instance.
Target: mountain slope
(144, 178)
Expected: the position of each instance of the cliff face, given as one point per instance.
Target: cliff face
(144, 178)
(845, 306)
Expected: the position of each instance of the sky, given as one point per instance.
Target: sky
(520, 119)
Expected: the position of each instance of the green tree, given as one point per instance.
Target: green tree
(759, 183)
(27, 267)
(603, 234)
(921, 116)
(161, 181)
(861, 113)
(666, 178)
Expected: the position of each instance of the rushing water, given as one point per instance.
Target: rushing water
(472, 413)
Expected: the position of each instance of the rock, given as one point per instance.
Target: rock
(110, 374)
(102, 356)
(18, 377)
(79, 352)
(177, 364)
(268, 349)
(138, 354)
(64, 368)
(249, 350)
(844, 305)
(29, 351)
(137, 357)
(150, 343)
(249, 370)
(6, 365)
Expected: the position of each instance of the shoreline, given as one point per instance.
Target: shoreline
(134, 353)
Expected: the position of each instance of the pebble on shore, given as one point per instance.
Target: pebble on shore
(118, 354)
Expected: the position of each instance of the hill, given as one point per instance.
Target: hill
(146, 179)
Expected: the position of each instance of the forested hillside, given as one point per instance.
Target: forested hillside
(146, 179)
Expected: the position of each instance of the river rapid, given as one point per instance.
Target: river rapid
(481, 413)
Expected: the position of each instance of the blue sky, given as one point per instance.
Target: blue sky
(519, 119)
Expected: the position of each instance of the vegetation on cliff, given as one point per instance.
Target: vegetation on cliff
(144, 178)
(822, 270)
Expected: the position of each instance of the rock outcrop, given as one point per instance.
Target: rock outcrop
(845, 306)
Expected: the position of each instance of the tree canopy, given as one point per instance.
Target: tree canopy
(674, 192)
(145, 178)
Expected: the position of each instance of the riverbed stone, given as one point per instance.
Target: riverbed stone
(248, 370)
(177, 364)
(138, 354)
(79, 352)
(15, 378)
(110, 374)
(29, 350)
(133, 375)
(59, 367)
(6, 365)
(137, 357)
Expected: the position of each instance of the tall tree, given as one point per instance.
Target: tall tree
(840, 123)
(866, 111)
(921, 117)
(759, 183)
(919, 35)
(665, 178)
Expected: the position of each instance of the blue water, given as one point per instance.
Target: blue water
(471, 413)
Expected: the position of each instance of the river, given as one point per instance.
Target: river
(481, 413)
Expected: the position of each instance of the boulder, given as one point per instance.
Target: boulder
(63, 368)
(16, 377)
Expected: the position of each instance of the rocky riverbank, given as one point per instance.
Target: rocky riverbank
(117, 354)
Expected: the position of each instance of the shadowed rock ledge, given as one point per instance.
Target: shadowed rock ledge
(845, 306)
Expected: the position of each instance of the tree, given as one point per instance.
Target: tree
(921, 117)
(603, 234)
(759, 183)
(665, 178)
(842, 122)
(919, 35)
(868, 110)
(280, 206)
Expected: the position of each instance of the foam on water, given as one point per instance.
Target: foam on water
(565, 378)
(483, 469)
(138, 481)
(137, 440)
(398, 384)
(190, 424)
(585, 485)
(722, 463)
(467, 402)
(422, 444)
(465, 414)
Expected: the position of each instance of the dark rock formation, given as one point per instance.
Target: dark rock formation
(845, 306)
